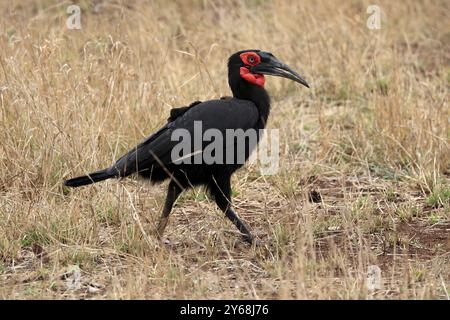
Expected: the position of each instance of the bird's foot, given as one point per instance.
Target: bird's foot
(249, 238)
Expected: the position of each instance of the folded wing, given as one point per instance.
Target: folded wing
(214, 114)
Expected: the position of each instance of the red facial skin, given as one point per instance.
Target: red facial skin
(251, 59)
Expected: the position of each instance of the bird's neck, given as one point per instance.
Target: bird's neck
(258, 95)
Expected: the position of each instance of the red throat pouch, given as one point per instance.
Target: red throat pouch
(254, 78)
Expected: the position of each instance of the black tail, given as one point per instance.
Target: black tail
(90, 178)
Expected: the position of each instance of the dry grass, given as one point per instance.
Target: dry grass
(372, 137)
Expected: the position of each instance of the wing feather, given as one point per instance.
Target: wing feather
(214, 114)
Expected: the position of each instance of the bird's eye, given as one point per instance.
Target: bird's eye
(250, 58)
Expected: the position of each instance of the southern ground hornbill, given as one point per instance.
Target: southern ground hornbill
(248, 109)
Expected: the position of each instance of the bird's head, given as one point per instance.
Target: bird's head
(252, 65)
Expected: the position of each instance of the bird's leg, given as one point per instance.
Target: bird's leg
(173, 191)
(221, 189)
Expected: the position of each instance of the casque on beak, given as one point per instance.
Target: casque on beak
(273, 67)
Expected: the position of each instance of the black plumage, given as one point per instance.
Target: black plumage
(249, 108)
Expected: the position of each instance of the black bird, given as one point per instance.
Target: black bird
(248, 109)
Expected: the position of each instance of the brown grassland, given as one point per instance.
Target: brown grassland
(370, 141)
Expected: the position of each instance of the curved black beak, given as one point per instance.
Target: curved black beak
(272, 66)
